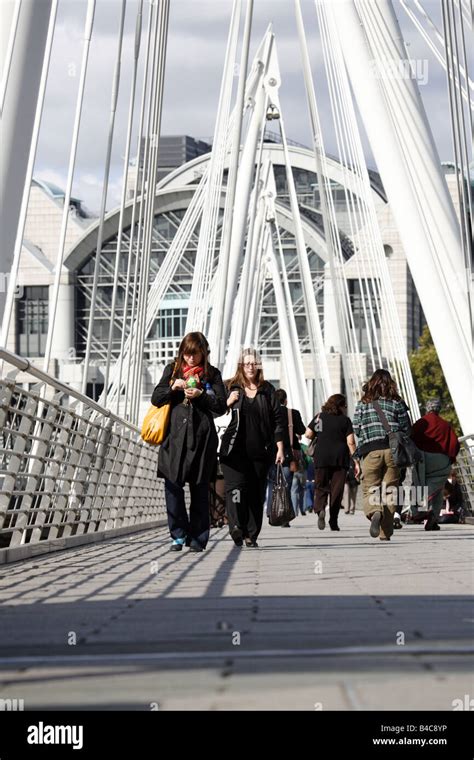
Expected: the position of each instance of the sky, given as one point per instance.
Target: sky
(195, 56)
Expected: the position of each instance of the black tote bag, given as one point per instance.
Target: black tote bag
(281, 510)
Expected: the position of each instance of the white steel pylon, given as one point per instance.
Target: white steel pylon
(405, 152)
(177, 250)
(201, 286)
(264, 249)
(267, 96)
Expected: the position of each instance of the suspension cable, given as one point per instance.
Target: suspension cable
(128, 140)
(105, 187)
(53, 305)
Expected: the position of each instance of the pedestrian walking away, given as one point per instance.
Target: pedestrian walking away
(380, 477)
(334, 446)
(438, 442)
(309, 488)
(350, 490)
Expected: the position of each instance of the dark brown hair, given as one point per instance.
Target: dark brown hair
(335, 404)
(281, 395)
(193, 343)
(239, 377)
(380, 385)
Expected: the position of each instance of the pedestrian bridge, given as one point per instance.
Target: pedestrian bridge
(98, 614)
(73, 473)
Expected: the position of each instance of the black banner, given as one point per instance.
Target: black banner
(144, 734)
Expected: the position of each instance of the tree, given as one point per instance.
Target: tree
(429, 378)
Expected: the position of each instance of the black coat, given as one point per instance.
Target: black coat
(271, 415)
(188, 453)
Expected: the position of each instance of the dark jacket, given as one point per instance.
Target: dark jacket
(298, 429)
(188, 453)
(453, 492)
(271, 416)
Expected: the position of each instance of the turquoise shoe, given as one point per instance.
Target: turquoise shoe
(177, 544)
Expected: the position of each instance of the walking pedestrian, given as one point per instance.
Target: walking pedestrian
(438, 442)
(188, 453)
(350, 490)
(335, 445)
(309, 488)
(380, 476)
(251, 443)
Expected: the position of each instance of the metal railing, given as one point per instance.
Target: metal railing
(68, 467)
(465, 471)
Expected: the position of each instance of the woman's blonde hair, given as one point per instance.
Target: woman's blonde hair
(239, 377)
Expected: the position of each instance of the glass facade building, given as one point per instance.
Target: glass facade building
(32, 320)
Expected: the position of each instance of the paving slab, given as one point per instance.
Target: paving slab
(311, 620)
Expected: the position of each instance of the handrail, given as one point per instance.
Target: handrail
(68, 477)
(26, 366)
(465, 467)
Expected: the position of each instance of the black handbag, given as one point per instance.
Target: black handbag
(281, 510)
(404, 451)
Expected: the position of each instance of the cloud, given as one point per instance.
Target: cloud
(195, 56)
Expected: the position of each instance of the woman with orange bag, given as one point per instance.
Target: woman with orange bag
(188, 454)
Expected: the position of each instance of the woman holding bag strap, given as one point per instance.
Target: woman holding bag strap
(251, 442)
(188, 453)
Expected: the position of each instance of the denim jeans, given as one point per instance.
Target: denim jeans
(196, 526)
(309, 495)
(298, 491)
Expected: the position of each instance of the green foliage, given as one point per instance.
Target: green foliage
(429, 378)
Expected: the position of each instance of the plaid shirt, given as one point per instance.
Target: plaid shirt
(368, 428)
